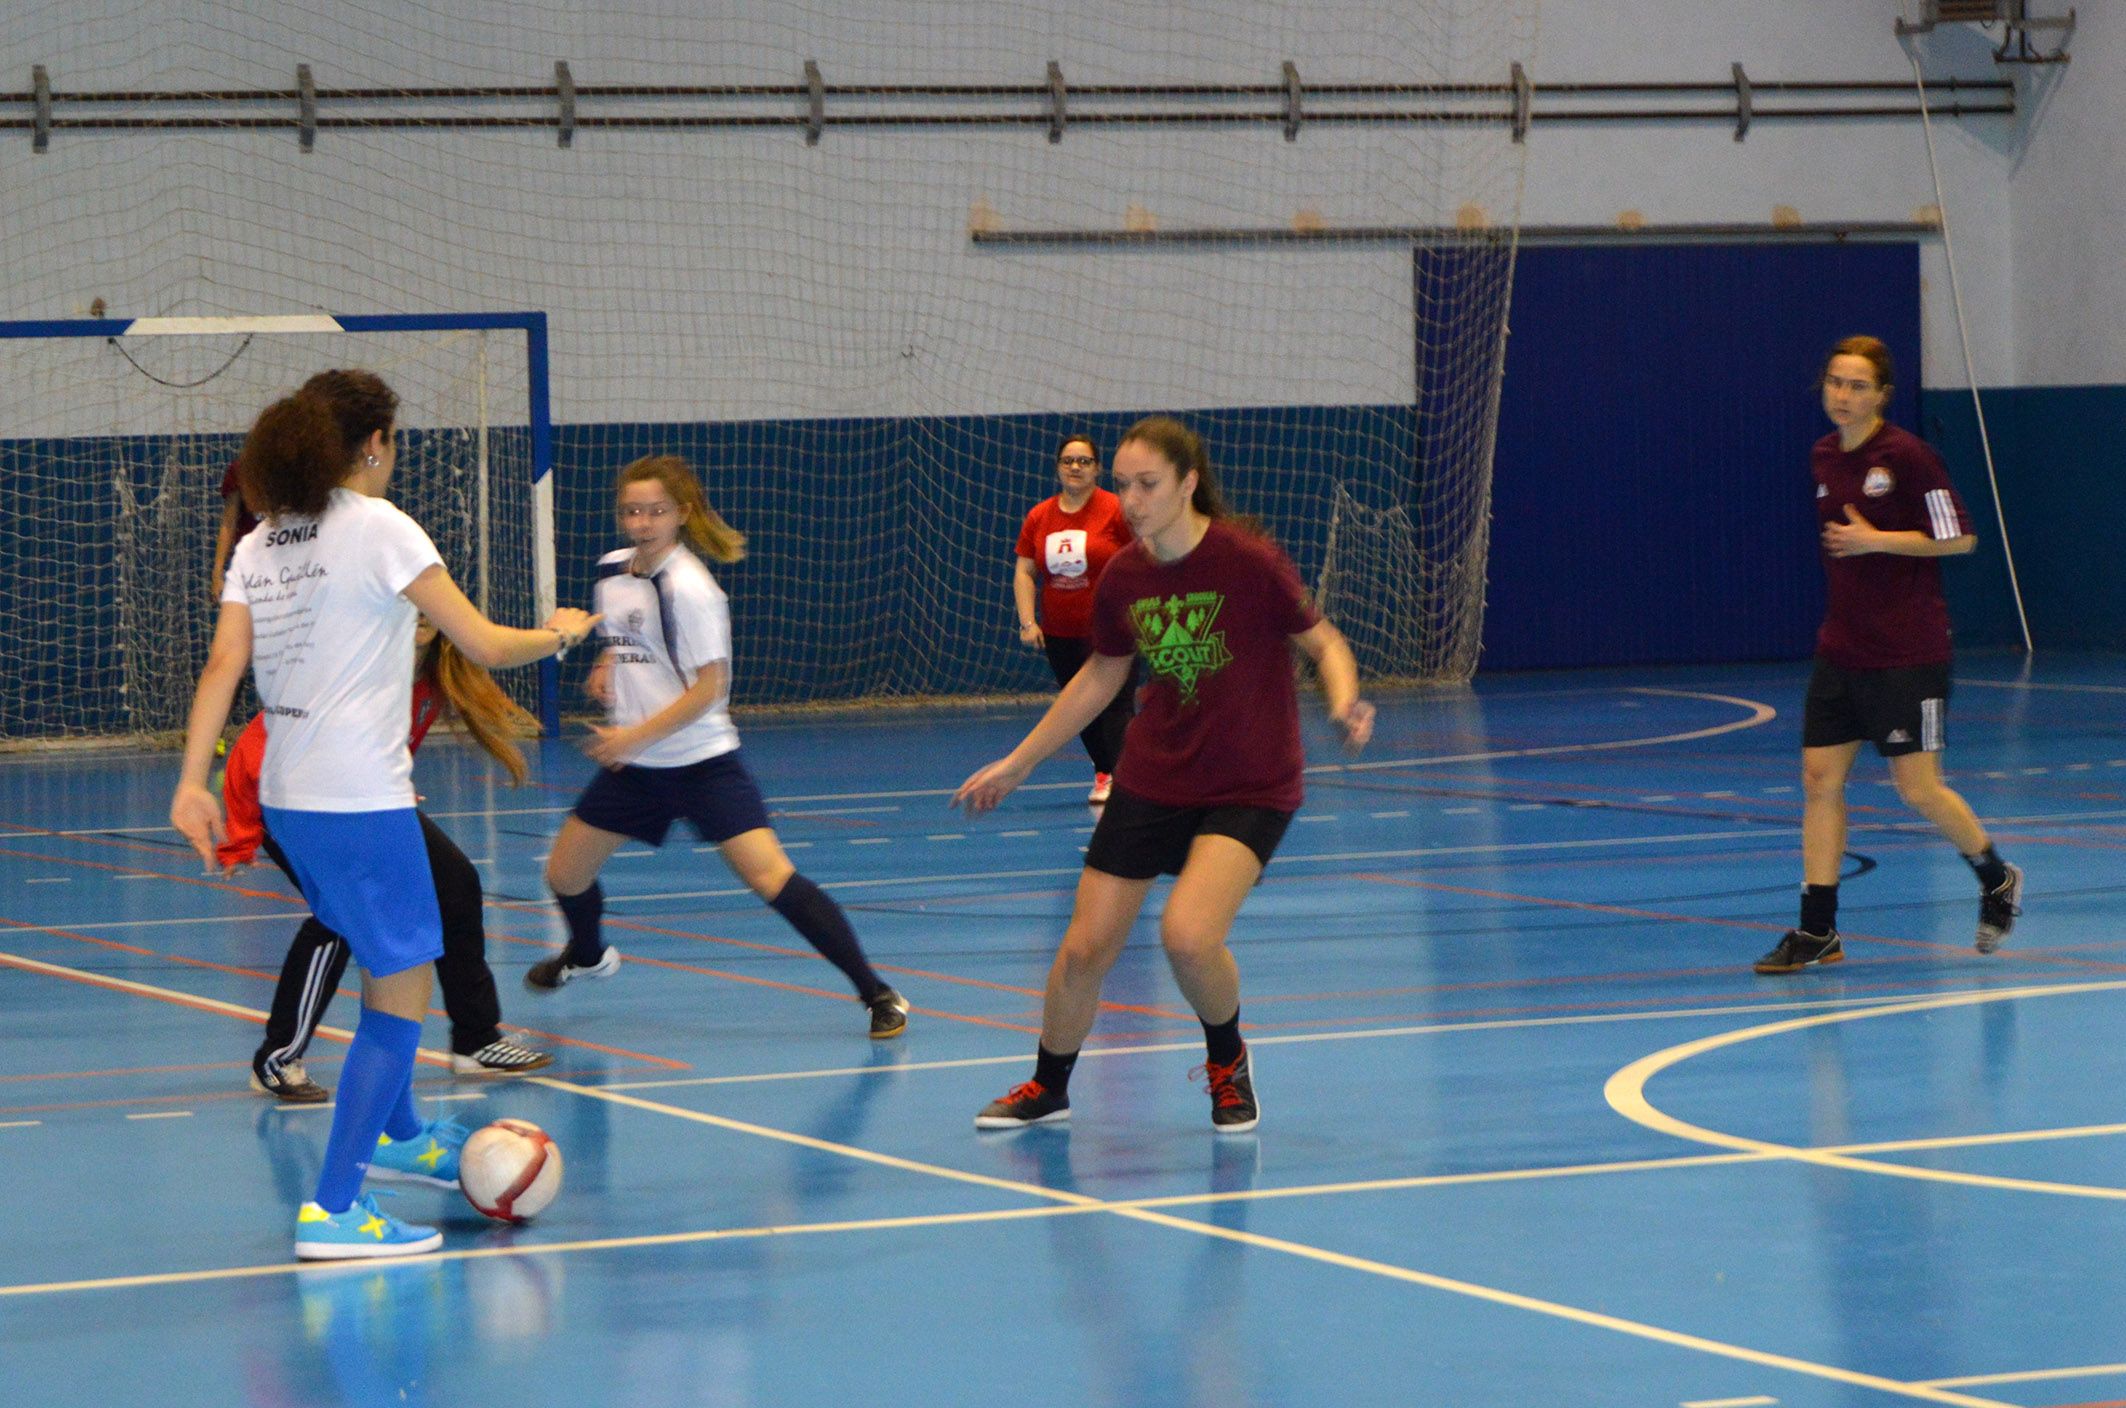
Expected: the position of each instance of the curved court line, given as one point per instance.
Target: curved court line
(1626, 1093)
(1759, 713)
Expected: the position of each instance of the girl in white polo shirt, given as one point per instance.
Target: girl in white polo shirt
(320, 602)
(670, 751)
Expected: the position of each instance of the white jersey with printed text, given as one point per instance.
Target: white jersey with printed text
(332, 651)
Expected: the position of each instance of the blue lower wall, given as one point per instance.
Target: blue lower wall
(2058, 452)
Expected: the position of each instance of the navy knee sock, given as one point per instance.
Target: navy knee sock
(583, 911)
(375, 1084)
(811, 912)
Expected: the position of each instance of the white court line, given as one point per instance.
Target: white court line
(836, 811)
(1289, 1039)
(49, 880)
(1754, 1401)
(873, 841)
(2030, 684)
(163, 1115)
(20, 1124)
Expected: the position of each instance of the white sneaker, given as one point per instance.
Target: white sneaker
(1103, 784)
(550, 973)
(500, 1057)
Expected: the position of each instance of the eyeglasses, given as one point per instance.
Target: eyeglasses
(649, 511)
(1077, 461)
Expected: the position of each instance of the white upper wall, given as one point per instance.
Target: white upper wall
(731, 274)
(2068, 196)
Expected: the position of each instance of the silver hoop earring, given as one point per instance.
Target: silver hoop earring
(371, 460)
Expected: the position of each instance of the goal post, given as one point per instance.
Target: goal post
(114, 438)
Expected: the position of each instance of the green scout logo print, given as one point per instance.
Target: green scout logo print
(1176, 638)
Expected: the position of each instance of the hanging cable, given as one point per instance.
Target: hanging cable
(1963, 332)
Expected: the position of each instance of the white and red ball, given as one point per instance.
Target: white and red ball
(510, 1170)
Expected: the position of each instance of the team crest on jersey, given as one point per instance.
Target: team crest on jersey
(1877, 483)
(634, 622)
(1175, 638)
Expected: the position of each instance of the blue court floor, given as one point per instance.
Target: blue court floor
(1533, 1132)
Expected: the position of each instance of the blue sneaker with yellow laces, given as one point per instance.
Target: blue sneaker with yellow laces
(363, 1230)
(429, 1157)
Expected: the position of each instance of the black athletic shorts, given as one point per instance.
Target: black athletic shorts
(716, 794)
(1137, 839)
(1900, 710)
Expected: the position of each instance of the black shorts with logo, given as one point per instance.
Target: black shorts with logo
(1138, 839)
(1900, 710)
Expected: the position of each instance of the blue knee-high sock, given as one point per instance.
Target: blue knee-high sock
(378, 1075)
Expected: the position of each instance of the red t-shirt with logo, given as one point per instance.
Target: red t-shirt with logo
(1218, 724)
(1068, 552)
(1886, 611)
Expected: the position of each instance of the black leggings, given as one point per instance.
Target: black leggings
(1103, 736)
(317, 958)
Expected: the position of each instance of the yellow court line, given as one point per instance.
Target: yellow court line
(178, 996)
(2029, 1376)
(1626, 1093)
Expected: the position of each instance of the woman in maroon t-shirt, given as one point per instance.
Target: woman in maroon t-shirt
(1210, 772)
(1064, 546)
(1882, 657)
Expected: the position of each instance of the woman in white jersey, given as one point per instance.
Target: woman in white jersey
(670, 751)
(320, 602)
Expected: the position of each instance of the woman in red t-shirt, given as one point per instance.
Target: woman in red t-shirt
(1888, 514)
(1063, 547)
(1210, 774)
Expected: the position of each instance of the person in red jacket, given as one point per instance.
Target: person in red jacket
(1888, 514)
(1210, 775)
(444, 682)
(1064, 546)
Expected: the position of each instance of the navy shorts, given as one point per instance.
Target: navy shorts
(717, 795)
(1901, 710)
(1138, 839)
(367, 878)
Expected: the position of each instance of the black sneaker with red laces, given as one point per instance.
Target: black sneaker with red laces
(1233, 1106)
(1022, 1105)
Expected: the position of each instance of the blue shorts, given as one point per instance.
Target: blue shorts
(366, 877)
(717, 795)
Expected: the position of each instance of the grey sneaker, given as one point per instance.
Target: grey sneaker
(889, 1014)
(550, 973)
(1998, 908)
(288, 1083)
(1800, 950)
(501, 1057)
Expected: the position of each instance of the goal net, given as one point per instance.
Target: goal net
(118, 439)
(862, 267)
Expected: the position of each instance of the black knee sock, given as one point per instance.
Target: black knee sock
(582, 911)
(1052, 1070)
(1990, 868)
(1819, 909)
(1222, 1042)
(813, 913)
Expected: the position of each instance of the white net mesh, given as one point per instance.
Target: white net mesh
(110, 495)
(874, 395)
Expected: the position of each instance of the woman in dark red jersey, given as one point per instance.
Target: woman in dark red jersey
(1210, 774)
(1064, 546)
(1882, 656)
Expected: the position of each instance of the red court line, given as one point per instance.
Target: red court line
(786, 951)
(775, 984)
(131, 1071)
(199, 880)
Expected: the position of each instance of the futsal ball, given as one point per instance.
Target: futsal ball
(510, 1170)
